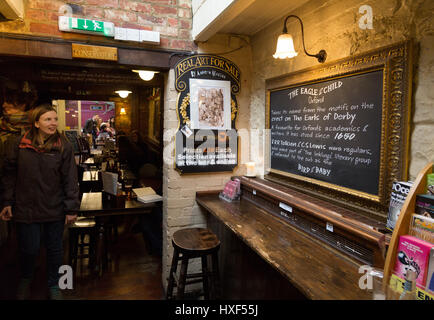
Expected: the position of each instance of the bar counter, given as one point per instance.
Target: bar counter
(316, 270)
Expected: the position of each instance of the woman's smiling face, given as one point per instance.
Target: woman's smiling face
(47, 123)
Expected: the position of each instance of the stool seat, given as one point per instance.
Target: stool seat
(83, 222)
(194, 243)
(195, 239)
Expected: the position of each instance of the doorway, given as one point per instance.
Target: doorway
(80, 89)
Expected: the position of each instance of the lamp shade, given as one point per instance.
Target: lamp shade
(285, 47)
(123, 93)
(123, 111)
(146, 74)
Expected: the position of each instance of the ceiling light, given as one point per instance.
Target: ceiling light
(123, 93)
(146, 74)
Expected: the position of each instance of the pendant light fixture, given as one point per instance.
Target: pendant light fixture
(146, 75)
(123, 93)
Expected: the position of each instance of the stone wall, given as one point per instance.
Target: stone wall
(334, 27)
(329, 25)
(172, 18)
(180, 209)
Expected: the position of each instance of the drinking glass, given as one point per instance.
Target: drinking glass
(93, 174)
(128, 189)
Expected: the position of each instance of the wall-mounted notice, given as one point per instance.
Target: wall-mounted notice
(330, 130)
(207, 140)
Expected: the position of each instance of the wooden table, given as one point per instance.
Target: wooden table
(91, 175)
(103, 206)
(96, 152)
(314, 269)
(91, 181)
(89, 161)
(90, 164)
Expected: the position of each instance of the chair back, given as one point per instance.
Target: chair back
(84, 148)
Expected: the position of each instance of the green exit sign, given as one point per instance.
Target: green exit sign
(71, 24)
(87, 25)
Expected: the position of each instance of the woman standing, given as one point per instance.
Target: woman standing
(41, 194)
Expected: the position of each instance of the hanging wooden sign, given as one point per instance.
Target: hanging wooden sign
(206, 140)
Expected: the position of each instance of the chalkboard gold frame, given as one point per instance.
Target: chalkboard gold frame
(395, 61)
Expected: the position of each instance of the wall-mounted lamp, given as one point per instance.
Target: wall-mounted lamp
(123, 93)
(285, 44)
(146, 74)
(122, 112)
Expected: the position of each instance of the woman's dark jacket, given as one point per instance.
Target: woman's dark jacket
(40, 186)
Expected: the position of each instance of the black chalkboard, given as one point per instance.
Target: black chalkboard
(329, 131)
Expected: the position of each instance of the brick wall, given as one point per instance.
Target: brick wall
(172, 18)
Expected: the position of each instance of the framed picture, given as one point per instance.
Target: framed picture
(210, 104)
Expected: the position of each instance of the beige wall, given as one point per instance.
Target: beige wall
(179, 191)
(329, 25)
(334, 27)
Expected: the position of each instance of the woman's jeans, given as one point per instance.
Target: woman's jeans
(29, 240)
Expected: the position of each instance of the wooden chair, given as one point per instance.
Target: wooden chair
(84, 148)
(194, 243)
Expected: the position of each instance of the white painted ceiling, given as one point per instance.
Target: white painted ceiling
(260, 14)
(247, 17)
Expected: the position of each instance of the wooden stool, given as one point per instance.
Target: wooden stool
(194, 243)
(77, 233)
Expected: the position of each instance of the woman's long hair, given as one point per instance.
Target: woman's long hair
(55, 141)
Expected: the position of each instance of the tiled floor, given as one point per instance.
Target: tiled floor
(133, 274)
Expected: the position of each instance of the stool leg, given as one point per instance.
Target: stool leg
(216, 276)
(81, 242)
(107, 247)
(100, 248)
(115, 230)
(173, 268)
(74, 250)
(71, 247)
(92, 243)
(205, 277)
(182, 278)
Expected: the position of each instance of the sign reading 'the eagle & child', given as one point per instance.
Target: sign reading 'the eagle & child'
(206, 140)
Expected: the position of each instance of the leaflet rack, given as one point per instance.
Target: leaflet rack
(403, 224)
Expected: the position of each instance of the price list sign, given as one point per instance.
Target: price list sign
(329, 131)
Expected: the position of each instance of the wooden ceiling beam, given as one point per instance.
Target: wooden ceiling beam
(129, 57)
